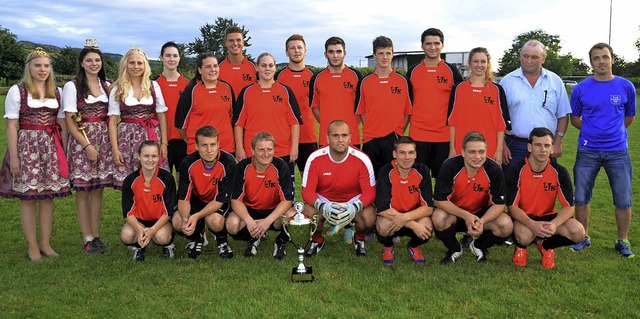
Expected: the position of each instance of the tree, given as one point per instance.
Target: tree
(64, 62)
(11, 57)
(213, 38)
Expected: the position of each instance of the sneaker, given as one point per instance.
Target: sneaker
(279, 251)
(314, 248)
(225, 251)
(138, 254)
(252, 247)
(92, 247)
(361, 250)
(100, 243)
(508, 242)
(416, 255)
(481, 254)
(168, 251)
(388, 255)
(548, 256)
(196, 248)
(520, 257)
(624, 248)
(466, 240)
(451, 256)
(581, 245)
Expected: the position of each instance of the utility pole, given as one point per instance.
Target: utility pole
(610, 15)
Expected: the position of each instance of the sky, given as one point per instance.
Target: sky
(121, 24)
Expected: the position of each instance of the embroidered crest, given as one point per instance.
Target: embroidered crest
(615, 99)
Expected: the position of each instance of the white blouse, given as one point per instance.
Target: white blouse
(114, 106)
(12, 103)
(70, 98)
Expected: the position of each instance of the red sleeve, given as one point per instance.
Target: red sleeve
(367, 183)
(309, 183)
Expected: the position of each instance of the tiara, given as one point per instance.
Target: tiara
(91, 44)
(38, 51)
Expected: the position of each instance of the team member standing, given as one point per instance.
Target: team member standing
(204, 193)
(148, 201)
(384, 106)
(297, 76)
(334, 90)
(403, 201)
(479, 105)
(35, 168)
(139, 103)
(340, 175)
(207, 101)
(263, 192)
(236, 68)
(86, 99)
(603, 107)
(532, 188)
(172, 84)
(469, 197)
(431, 83)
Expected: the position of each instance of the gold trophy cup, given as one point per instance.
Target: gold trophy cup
(300, 229)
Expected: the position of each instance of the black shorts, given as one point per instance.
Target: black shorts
(260, 214)
(304, 150)
(545, 218)
(177, 152)
(432, 154)
(461, 226)
(380, 151)
(145, 223)
(197, 205)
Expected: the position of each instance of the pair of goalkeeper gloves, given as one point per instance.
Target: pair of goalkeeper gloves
(338, 214)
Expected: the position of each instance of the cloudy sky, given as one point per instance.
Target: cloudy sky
(121, 24)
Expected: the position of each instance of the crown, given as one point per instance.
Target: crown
(91, 44)
(38, 51)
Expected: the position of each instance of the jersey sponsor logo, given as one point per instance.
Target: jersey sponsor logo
(396, 90)
(476, 91)
(157, 198)
(442, 79)
(404, 182)
(269, 184)
(537, 175)
(146, 190)
(431, 71)
(213, 91)
(384, 81)
(206, 174)
(488, 100)
(478, 188)
(413, 189)
(297, 75)
(247, 77)
(347, 85)
(336, 76)
(277, 98)
(266, 90)
(549, 187)
(260, 176)
(305, 83)
(172, 85)
(615, 99)
(225, 98)
(235, 68)
(326, 174)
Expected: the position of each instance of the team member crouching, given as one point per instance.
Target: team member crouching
(532, 188)
(206, 179)
(403, 201)
(470, 195)
(263, 192)
(338, 185)
(148, 201)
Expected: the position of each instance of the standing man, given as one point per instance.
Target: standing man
(532, 188)
(297, 76)
(384, 106)
(469, 197)
(204, 192)
(334, 90)
(236, 68)
(340, 176)
(536, 98)
(603, 107)
(431, 84)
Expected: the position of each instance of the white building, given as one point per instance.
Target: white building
(406, 59)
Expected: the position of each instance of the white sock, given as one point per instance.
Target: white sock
(88, 238)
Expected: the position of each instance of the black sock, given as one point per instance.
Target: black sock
(385, 241)
(519, 245)
(198, 233)
(448, 238)
(415, 241)
(487, 239)
(282, 238)
(221, 236)
(556, 241)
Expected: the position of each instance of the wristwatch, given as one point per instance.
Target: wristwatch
(561, 134)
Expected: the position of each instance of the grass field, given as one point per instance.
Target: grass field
(595, 283)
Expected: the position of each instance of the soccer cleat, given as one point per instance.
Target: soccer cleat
(416, 255)
(138, 254)
(225, 251)
(168, 251)
(624, 248)
(520, 257)
(481, 254)
(100, 243)
(581, 245)
(388, 255)
(361, 249)
(451, 256)
(314, 248)
(466, 240)
(548, 256)
(92, 247)
(279, 251)
(196, 248)
(252, 247)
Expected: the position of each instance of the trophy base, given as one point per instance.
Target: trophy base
(306, 277)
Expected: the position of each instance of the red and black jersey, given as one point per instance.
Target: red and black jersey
(404, 194)
(384, 102)
(431, 88)
(485, 188)
(338, 181)
(171, 91)
(336, 94)
(536, 192)
(149, 202)
(299, 82)
(263, 190)
(483, 109)
(200, 106)
(272, 110)
(238, 75)
(201, 184)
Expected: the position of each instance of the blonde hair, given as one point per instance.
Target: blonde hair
(123, 83)
(49, 83)
(488, 74)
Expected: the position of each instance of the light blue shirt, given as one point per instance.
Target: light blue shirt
(538, 106)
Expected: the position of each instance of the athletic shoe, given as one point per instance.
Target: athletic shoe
(370, 235)
(507, 242)
(138, 254)
(190, 244)
(252, 247)
(451, 256)
(466, 240)
(520, 257)
(196, 248)
(314, 248)
(624, 248)
(547, 256)
(581, 245)
(388, 255)
(481, 254)
(225, 251)
(168, 251)
(396, 239)
(279, 251)
(92, 247)
(416, 255)
(361, 250)
(100, 243)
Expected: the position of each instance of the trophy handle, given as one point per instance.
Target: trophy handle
(314, 224)
(284, 226)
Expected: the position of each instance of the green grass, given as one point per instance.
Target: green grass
(595, 283)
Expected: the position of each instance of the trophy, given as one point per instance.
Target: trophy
(300, 229)
(78, 119)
